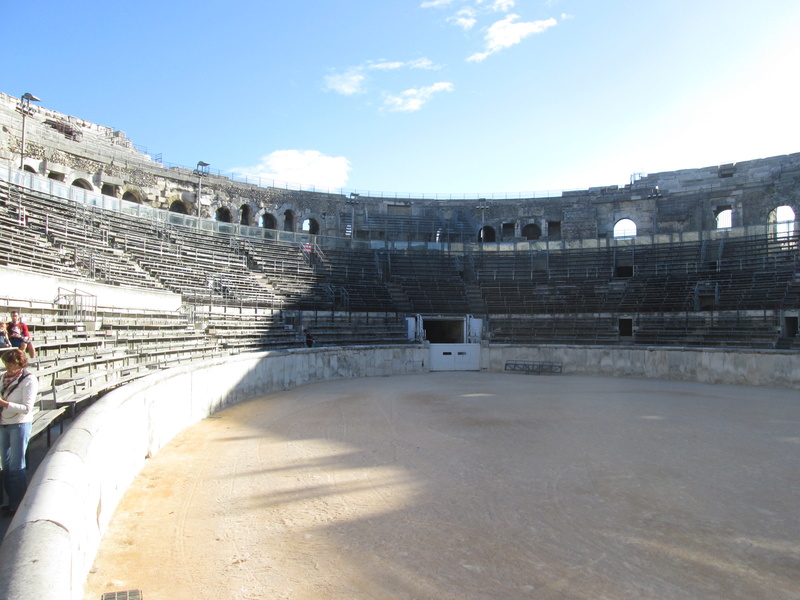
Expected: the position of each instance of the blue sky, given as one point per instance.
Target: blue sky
(421, 96)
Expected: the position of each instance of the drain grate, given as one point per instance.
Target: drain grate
(129, 595)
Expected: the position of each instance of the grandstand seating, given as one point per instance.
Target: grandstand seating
(258, 293)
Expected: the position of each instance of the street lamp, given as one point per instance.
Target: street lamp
(24, 107)
(201, 171)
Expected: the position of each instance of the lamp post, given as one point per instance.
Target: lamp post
(201, 171)
(24, 107)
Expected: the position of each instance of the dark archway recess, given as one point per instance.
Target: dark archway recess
(223, 215)
(268, 221)
(288, 221)
(246, 215)
(178, 207)
(486, 235)
(83, 184)
(532, 231)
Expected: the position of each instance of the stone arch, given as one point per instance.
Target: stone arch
(178, 206)
(82, 183)
(531, 231)
(723, 215)
(28, 169)
(624, 228)
(269, 221)
(245, 215)
(132, 197)
(310, 226)
(288, 220)
(486, 234)
(783, 219)
(223, 215)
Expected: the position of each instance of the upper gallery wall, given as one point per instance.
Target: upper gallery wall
(104, 160)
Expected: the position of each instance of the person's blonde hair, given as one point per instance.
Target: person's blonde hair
(15, 357)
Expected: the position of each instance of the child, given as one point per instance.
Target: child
(18, 334)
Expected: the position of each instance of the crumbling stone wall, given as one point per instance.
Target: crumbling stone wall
(670, 202)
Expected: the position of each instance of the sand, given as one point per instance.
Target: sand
(470, 486)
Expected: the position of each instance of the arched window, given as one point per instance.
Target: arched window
(268, 221)
(311, 226)
(246, 215)
(486, 235)
(131, 197)
(83, 184)
(288, 221)
(178, 207)
(725, 218)
(625, 228)
(783, 218)
(223, 215)
(532, 231)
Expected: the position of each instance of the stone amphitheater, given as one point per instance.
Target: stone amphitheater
(159, 295)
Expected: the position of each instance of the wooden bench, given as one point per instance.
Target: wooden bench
(533, 368)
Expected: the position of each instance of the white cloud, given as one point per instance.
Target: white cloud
(503, 5)
(414, 99)
(506, 33)
(354, 79)
(435, 3)
(465, 18)
(385, 65)
(348, 83)
(304, 167)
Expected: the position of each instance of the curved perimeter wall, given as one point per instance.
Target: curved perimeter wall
(52, 541)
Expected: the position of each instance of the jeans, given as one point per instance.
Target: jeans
(13, 445)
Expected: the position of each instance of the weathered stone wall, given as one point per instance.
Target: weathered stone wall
(682, 201)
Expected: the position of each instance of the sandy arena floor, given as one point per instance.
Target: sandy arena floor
(471, 486)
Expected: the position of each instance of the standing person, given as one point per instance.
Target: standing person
(4, 341)
(19, 335)
(17, 396)
(309, 338)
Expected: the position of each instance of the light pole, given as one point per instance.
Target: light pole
(24, 107)
(201, 171)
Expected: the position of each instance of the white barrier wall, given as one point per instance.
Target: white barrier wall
(769, 368)
(51, 543)
(27, 285)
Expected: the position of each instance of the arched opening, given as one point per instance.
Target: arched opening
(223, 215)
(268, 221)
(532, 231)
(724, 217)
(83, 184)
(178, 207)
(311, 226)
(624, 228)
(288, 221)
(28, 169)
(246, 215)
(783, 218)
(56, 176)
(131, 197)
(109, 189)
(486, 234)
